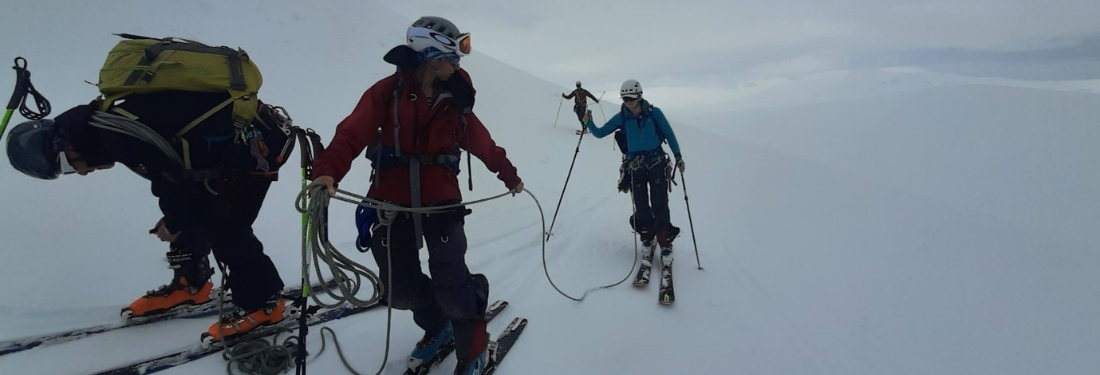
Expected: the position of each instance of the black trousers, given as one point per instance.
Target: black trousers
(649, 189)
(452, 293)
(226, 229)
(580, 110)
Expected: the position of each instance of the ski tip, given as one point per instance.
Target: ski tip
(498, 304)
(517, 323)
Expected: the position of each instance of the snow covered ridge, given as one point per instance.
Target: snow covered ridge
(946, 230)
(840, 85)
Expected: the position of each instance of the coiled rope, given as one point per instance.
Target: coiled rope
(263, 358)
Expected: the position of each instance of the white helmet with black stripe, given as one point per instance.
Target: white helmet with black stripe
(631, 88)
(439, 33)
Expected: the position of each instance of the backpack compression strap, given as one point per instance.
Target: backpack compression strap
(238, 124)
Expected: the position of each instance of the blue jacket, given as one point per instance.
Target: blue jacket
(641, 131)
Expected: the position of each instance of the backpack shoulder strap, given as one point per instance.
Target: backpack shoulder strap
(396, 122)
(656, 126)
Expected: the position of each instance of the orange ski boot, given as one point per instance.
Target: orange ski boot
(190, 285)
(167, 297)
(241, 322)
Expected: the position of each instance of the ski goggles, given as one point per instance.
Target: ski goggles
(66, 167)
(421, 36)
(628, 99)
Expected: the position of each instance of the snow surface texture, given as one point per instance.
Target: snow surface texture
(945, 230)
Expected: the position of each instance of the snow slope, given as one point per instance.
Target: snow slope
(838, 85)
(868, 236)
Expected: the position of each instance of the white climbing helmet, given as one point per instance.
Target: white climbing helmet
(631, 88)
(438, 33)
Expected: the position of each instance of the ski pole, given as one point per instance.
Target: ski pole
(559, 112)
(309, 147)
(691, 224)
(17, 95)
(614, 145)
(18, 99)
(598, 104)
(577, 151)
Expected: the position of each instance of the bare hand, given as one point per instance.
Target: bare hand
(681, 165)
(328, 181)
(518, 189)
(587, 117)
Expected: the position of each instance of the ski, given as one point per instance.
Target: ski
(642, 279)
(643, 275)
(199, 351)
(186, 311)
(504, 343)
(667, 294)
(446, 349)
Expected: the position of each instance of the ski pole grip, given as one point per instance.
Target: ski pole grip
(22, 77)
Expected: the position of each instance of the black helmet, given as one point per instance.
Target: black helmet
(34, 148)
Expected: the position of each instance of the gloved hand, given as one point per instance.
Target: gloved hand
(163, 233)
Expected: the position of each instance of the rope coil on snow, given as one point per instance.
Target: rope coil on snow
(263, 358)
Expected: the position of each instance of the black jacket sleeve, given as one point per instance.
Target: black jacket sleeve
(182, 200)
(181, 203)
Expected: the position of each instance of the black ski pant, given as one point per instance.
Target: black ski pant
(452, 293)
(580, 109)
(226, 228)
(649, 189)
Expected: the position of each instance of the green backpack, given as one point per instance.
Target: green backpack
(141, 65)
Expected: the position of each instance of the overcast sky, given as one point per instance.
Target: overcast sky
(699, 49)
(691, 56)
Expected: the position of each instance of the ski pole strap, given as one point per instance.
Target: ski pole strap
(315, 139)
(310, 144)
(23, 86)
(306, 151)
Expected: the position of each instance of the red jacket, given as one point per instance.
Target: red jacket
(580, 97)
(424, 131)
